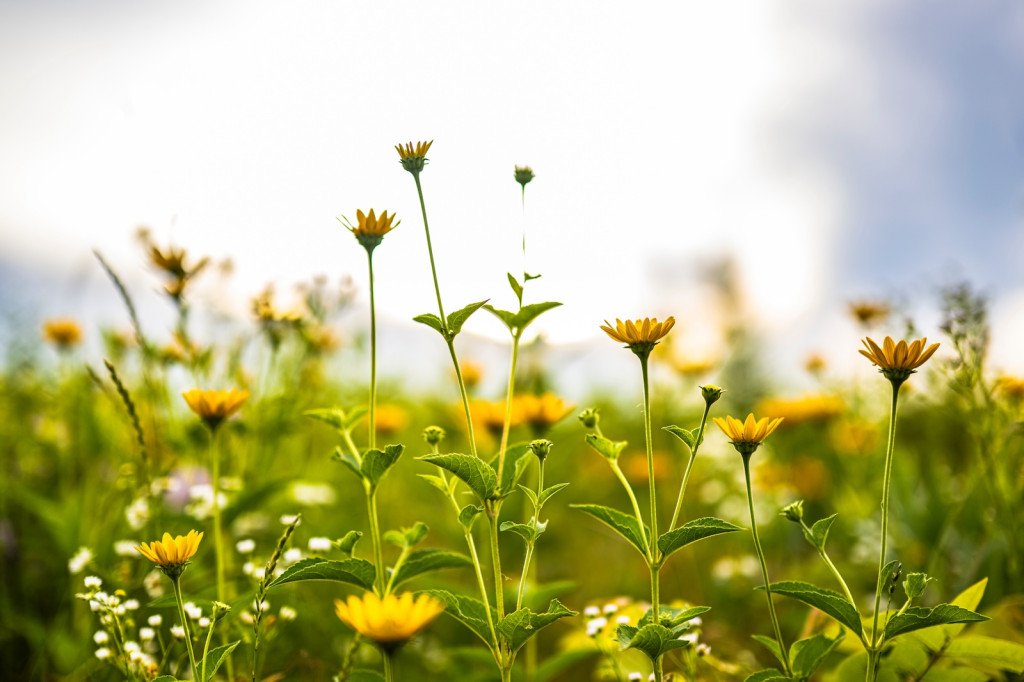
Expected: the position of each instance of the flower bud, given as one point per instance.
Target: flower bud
(793, 511)
(541, 448)
(433, 434)
(523, 175)
(590, 417)
(711, 393)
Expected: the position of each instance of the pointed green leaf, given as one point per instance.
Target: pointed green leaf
(349, 460)
(342, 420)
(548, 492)
(682, 434)
(459, 317)
(438, 482)
(506, 316)
(767, 675)
(604, 447)
(517, 458)
(478, 475)
(692, 531)
(654, 640)
(432, 321)
(216, 657)
(532, 496)
(807, 654)
(426, 560)
(523, 624)
(623, 524)
(516, 287)
(773, 647)
(990, 651)
(527, 277)
(832, 603)
(529, 313)
(917, 618)
(470, 612)
(407, 537)
(672, 617)
(358, 572)
(468, 515)
(347, 544)
(376, 463)
(524, 530)
(819, 532)
(936, 638)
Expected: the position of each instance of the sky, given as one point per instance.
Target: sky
(834, 151)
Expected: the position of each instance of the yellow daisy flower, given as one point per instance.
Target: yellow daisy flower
(63, 333)
(172, 554)
(869, 313)
(370, 229)
(390, 621)
(543, 412)
(413, 158)
(213, 407)
(897, 361)
(639, 335)
(747, 435)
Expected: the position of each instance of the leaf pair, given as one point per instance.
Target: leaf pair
(453, 325)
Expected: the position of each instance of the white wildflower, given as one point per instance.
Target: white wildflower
(80, 560)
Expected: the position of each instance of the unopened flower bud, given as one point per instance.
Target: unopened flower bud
(711, 393)
(523, 175)
(589, 417)
(541, 448)
(433, 435)
(793, 511)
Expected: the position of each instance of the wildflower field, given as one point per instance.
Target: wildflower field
(188, 505)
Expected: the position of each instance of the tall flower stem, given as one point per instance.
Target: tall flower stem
(764, 566)
(876, 640)
(430, 250)
(378, 554)
(652, 547)
(689, 467)
(389, 669)
(499, 592)
(373, 357)
(218, 534)
(529, 547)
(176, 584)
(508, 405)
(206, 650)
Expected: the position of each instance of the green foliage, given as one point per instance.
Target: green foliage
(692, 531)
(423, 561)
(478, 475)
(516, 628)
(688, 436)
(358, 572)
(818, 534)
(917, 618)
(623, 524)
(604, 447)
(216, 657)
(376, 463)
(832, 603)
(807, 655)
(652, 639)
(470, 612)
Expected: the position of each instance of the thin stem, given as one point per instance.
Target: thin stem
(389, 672)
(430, 252)
(876, 640)
(689, 467)
(373, 357)
(632, 497)
(530, 545)
(371, 510)
(218, 533)
(652, 546)
(764, 567)
(465, 399)
(471, 545)
(499, 591)
(176, 584)
(832, 567)
(508, 404)
(206, 649)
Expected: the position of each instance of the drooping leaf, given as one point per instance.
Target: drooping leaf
(340, 419)
(423, 561)
(772, 646)
(470, 612)
(990, 651)
(625, 525)
(652, 639)
(936, 638)
(819, 532)
(604, 447)
(459, 317)
(917, 618)
(358, 572)
(685, 435)
(506, 316)
(807, 655)
(439, 482)
(376, 463)
(432, 321)
(530, 495)
(348, 459)
(832, 603)
(468, 515)
(527, 532)
(475, 473)
(523, 624)
(215, 658)
(692, 531)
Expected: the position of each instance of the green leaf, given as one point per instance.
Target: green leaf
(408, 537)
(773, 647)
(432, 321)
(376, 463)
(348, 459)
(529, 313)
(990, 651)
(527, 277)
(917, 618)
(337, 417)
(516, 287)
(692, 531)
(468, 515)
(688, 437)
(807, 654)
(832, 603)
(506, 316)
(426, 560)
(889, 570)
(470, 612)
(766, 675)
(623, 524)
(606, 448)
(438, 482)
(358, 572)
(654, 640)
(548, 492)
(347, 544)
(517, 459)
(672, 617)
(532, 496)
(527, 532)
(936, 638)
(915, 583)
(459, 317)
(216, 657)
(819, 532)
(475, 473)
(523, 624)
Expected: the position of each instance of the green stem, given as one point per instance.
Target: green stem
(689, 467)
(764, 567)
(499, 591)
(371, 510)
(508, 404)
(373, 357)
(465, 399)
(176, 584)
(206, 648)
(652, 550)
(389, 672)
(430, 252)
(218, 533)
(632, 497)
(530, 545)
(876, 639)
(832, 567)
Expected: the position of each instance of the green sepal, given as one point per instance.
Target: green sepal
(349, 460)
(475, 473)
(432, 321)
(917, 618)
(426, 560)
(518, 627)
(468, 515)
(625, 525)
(358, 572)
(687, 436)
(652, 639)
(915, 583)
(608, 449)
(692, 531)
(215, 658)
(771, 645)
(459, 317)
(818, 533)
(524, 530)
(808, 654)
(832, 603)
(347, 544)
(470, 612)
(407, 537)
(377, 462)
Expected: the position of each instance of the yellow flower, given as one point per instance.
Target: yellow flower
(63, 333)
(542, 412)
(815, 364)
(869, 313)
(413, 158)
(1011, 388)
(391, 419)
(213, 407)
(640, 335)
(389, 621)
(806, 409)
(745, 436)
(172, 554)
(897, 361)
(492, 415)
(369, 229)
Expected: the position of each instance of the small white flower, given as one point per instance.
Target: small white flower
(194, 612)
(288, 613)
(126, 548)
(246, 617)
(591, 611)
(288, 519)
(258, 606)
(129, 647)
(92, 582)
(245, 546)
(248, 567)
(155, 620)
(101, 637)
(154, 584)
(691, 638)
(703, 649)
(204, 622)
(132, 604)
(597, 623)
(136, 656)
(292, 555)
(80, 560)
(697, 622)
(622, 620)
(177, 632)
(319, 544)
(107, 620)
(611, 608)
(312, 494)
(258, 573)
(103, 653)
(651, 677)
(147, 634)
(635, 676)
(137, 513)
